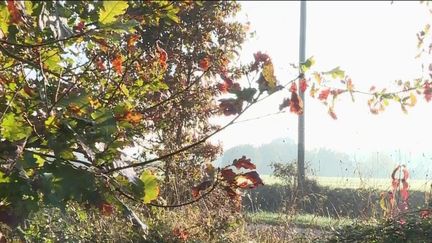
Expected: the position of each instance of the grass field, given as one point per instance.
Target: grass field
(355, 182)
(301, 220)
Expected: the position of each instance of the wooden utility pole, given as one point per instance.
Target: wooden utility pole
(301, 118)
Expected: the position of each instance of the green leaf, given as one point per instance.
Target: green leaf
(151, 187)
(3, 178)
(52, 60)
(105, 122)
(4, 19)
(246, 94)
(13, 128)
(336, 73)
(123, 27)
(111, 9)
(307, 64)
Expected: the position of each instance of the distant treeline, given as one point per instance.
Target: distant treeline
(327, 162)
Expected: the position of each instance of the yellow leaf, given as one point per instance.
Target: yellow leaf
(4, 19)
(28, 7)
(317, 77)
(413, 99)
(39, 160)
(112, 9)
(268, 73)
(151, 187)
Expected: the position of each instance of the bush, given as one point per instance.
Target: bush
(323, 201)
(409, 227)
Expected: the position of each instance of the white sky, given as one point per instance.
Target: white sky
(374, 42)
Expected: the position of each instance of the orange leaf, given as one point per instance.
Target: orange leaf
(131, 117)
(132, 41)
(163, 56)
(117, 63)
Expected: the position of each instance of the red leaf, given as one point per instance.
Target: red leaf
(324, 94)
(261, 57)
(106, 209)
(303, 85)
(404, 191)
(427, 92)
(228, 81)
(296, 104)
(204, 63)
(196, 190)
(254, 178)
(222, 87)
(80, 26)
(100, 64)
(405, 173)
(231, 106)
(293, 87)
(182, 234)
(15, 16)
(332, 113)
(117, 63)
(244, 163)
(286, 102)
(393, 175)
(235, 87)
(228, 175)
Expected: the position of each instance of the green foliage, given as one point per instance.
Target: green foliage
(13, 128)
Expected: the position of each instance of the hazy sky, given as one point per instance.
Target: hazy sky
(374, 42)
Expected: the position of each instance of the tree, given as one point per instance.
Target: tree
(82, 83)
